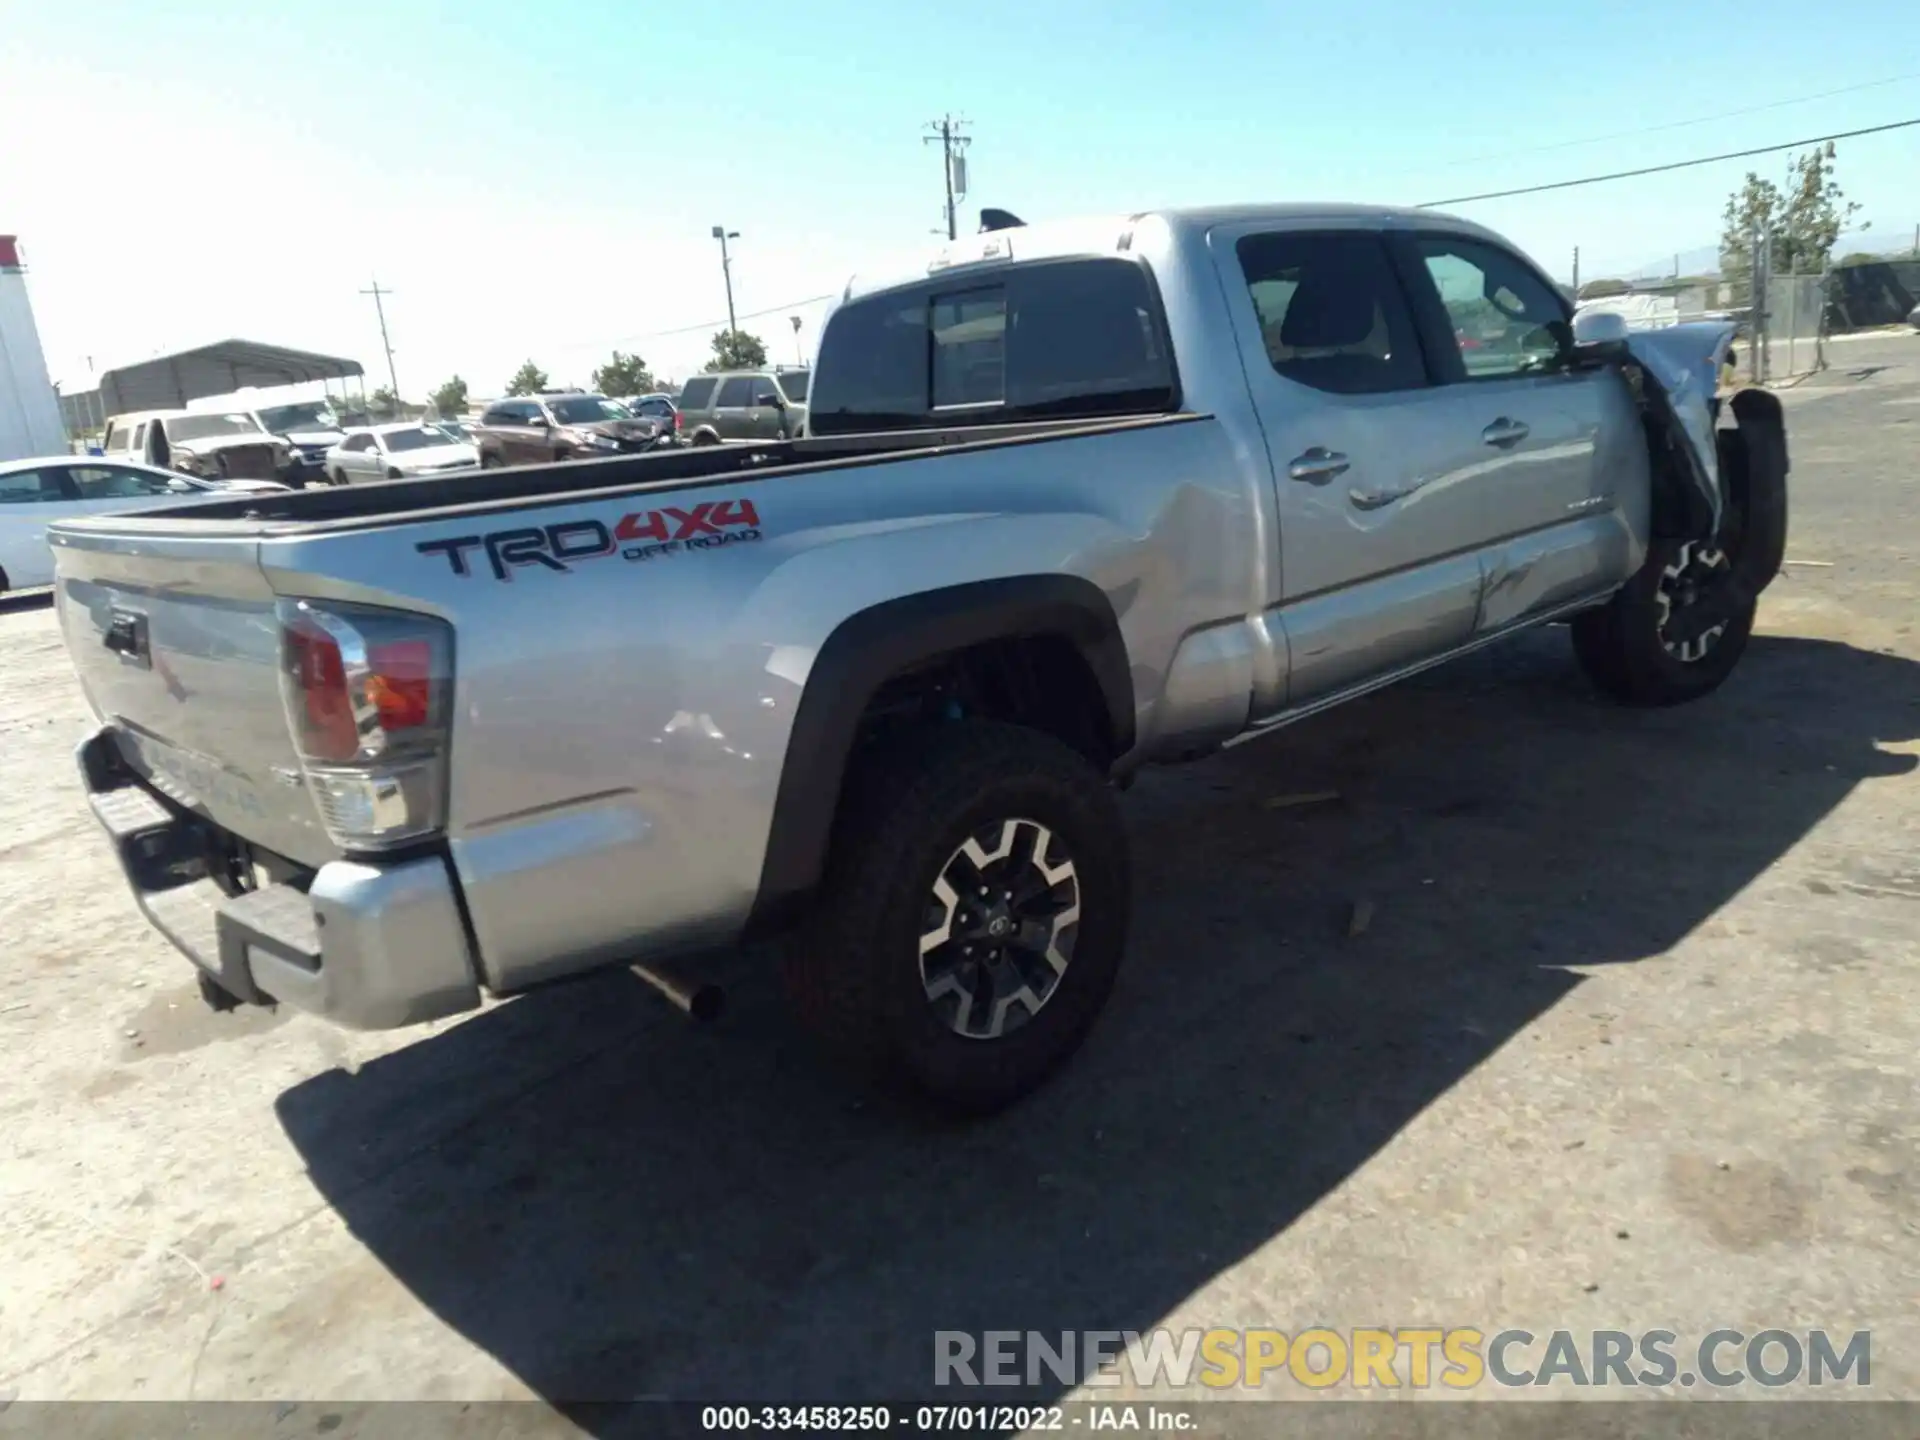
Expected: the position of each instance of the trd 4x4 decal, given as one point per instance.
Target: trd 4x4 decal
(642, 535)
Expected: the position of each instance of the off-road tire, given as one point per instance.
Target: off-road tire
(853, 968)
(1619, 646)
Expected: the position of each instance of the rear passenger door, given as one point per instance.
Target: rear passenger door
(1378, 528)
(520, 442)
(733, 408)
(696, 403)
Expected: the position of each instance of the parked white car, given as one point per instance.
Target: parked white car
(34, 493)
(398, 452)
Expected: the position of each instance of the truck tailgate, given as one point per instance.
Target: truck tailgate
(176, 644)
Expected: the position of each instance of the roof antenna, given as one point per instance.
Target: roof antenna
(991, 219)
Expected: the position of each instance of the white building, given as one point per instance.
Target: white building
(29, 408)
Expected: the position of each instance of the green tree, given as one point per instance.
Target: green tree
(1601, 289)
(450, 399)
(529, 379)
(1799, 224)
(623, 375)
(737, 350)
(384, 402)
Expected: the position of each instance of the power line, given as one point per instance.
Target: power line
(1684, 124)
(710, 324)
(1675, 165)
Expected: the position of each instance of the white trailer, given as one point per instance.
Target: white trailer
(29, 408)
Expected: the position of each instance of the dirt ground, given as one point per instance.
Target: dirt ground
(1629, 1042)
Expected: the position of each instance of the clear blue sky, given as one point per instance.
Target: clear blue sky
(541, 180)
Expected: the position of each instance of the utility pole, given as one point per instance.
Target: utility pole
(1576, 272)
(393, 381)
(953, 147)
(722, 234)
(799, 355)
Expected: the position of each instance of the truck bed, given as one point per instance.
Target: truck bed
(484, 491)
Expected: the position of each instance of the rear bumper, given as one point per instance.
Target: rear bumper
(366, 945)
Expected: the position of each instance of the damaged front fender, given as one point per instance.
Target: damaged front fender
(1724, 487)
(1679, 375)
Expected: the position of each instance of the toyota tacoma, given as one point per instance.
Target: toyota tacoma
(1072, 499)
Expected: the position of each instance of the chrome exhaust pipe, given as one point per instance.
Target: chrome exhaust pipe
(700, 999)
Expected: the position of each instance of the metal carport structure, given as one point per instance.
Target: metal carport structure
(171, 381)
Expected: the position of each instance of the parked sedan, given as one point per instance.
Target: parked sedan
(398, 452)
(34, 493)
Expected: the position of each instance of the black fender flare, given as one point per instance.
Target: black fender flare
(1753, 467)
(871, 646)
(1753, 459)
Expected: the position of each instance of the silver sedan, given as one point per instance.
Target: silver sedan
(402, 451)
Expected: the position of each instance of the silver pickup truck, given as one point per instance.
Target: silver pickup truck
(1073, 499)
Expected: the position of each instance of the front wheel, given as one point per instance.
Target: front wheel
(1643, 647)
(973, 915)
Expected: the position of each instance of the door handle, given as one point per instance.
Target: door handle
(1504, 432)
(1318, 465)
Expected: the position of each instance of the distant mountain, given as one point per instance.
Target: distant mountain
(1705, 259)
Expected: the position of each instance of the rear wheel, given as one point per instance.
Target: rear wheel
(973, 915)
(1646, 645)
(490, 461)
(705, 439)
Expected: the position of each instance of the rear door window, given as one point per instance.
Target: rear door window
(1055, 339)
(697, 393)
(33, 487)
(736, 393)
(1332, 312)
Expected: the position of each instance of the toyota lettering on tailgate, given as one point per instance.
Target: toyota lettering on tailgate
(642, 535)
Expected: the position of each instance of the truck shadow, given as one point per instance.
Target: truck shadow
(616, 1206)
(20, 602)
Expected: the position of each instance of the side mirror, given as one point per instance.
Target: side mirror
(1599, 327)
(768, 399)
(540, 422)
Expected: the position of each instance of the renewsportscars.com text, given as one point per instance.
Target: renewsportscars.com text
(1459, 1358)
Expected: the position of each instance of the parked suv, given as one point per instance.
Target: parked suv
(744, 405)
(536, 429)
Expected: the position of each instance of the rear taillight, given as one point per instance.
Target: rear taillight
(676, 422)
(368, 695)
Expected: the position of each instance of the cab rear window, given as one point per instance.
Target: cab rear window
(1054, 339)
